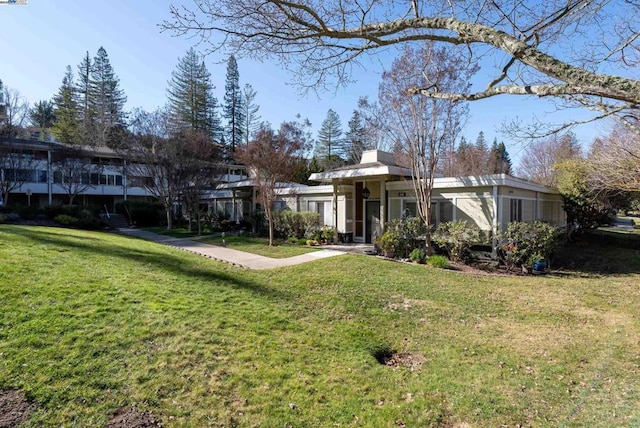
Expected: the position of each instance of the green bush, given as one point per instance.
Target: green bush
(52, 211)
(66, 220)
(90, 221)
(456, 238)
(9, 218)
(327, 233)
(524, 243)
(26, 212)
(438, 261)
(402, 236)
(417, 255)
(303, 224)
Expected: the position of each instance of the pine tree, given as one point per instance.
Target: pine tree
(41, 116)
(501, 163)
(85, 115)
(250, 111)
(106, 100)
(355, 142)
(65, 126)
(481, 156)
(329, 147)
(190, 97)
(233, 110)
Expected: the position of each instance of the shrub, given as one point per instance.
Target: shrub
(402, 236)
(417, 255)
(52, 211)
(303, 224)
(524, 243)
(327, 233)
(88, 220)
(438, 261)
(9, 218)
(26, 212)
(142, 213)
(66, 220)
(456, 238)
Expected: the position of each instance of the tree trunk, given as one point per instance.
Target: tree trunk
(169, 219)
(269, 214)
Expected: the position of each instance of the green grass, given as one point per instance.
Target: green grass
(260, 246)
(91, 322)
(249, 243)
(177, 232)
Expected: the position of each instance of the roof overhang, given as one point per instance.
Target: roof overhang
(368, 172)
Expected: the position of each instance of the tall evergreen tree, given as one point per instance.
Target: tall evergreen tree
(250, 111)
(330, 147)
(355, 142)
(106, 100)
(41, 116)
(190, 96)
(65, 110)
(232, 109)
(500, 158)
(85, 115)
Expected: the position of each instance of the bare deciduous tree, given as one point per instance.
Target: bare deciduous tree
(421, 127)
(614, 162)
(271, 158)
(169, 163)
(16, 168)
(539, 160)
(582, 52)
(13, 112)
(73, 170)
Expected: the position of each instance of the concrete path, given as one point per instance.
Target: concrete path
(228, 255)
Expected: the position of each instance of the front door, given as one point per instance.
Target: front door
(373, 220)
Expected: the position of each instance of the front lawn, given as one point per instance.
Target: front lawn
(91, 323)
(246, 242)
(256, 245)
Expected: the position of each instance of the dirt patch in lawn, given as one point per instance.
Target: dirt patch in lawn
(14, 409)
(131, 418)
(392, 358)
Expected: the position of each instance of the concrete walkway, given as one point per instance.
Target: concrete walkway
(228, 255)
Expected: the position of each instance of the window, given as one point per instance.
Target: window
(42, 176)
(446, 211)
(410, 209)
(318, 207)
(515, 211)
(118, 180)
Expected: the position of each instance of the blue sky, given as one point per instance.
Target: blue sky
(38, 41)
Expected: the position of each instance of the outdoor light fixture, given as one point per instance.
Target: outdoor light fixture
(366, 193)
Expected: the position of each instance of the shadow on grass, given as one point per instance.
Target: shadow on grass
(166, 262)
(600, 254)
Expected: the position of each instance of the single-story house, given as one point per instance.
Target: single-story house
(359, 199)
